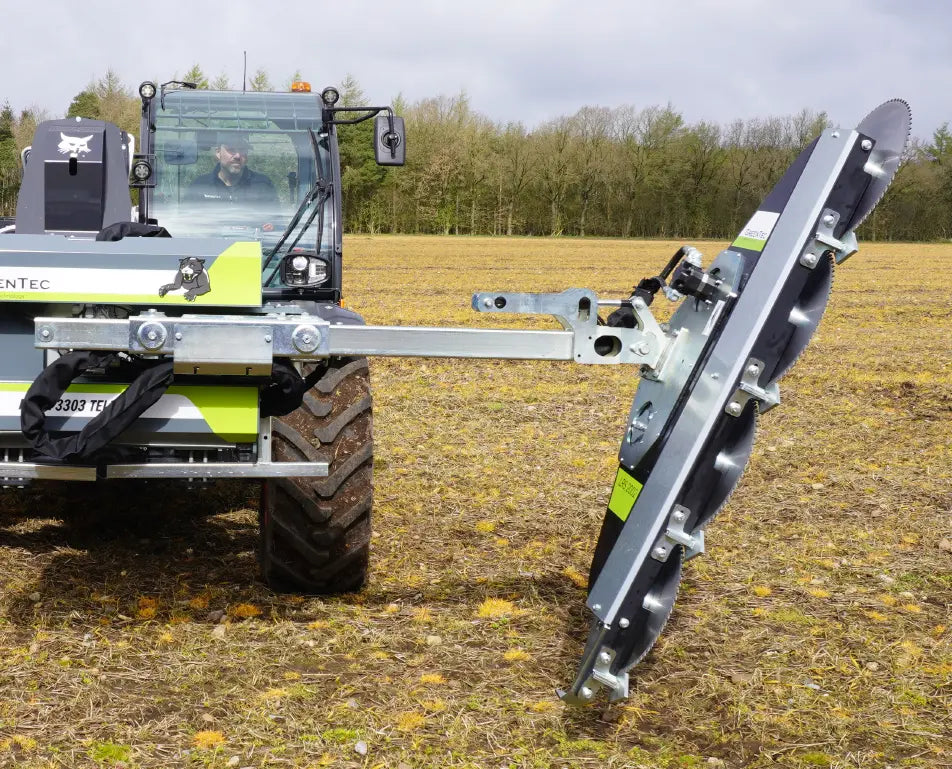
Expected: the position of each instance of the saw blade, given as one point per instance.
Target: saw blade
(623, 644)
(889, 126)
(715, 485)
(806, 314)
(646, 626)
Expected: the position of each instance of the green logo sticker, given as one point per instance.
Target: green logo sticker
(624, 493)
(754, 235)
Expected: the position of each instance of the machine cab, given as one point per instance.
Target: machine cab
(251, 166)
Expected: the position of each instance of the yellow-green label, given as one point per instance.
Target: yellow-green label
(624, 493)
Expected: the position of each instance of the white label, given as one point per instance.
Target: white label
(760, 226)
(81, 280)
(90, 404)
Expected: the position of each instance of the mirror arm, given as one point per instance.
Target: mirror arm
(328, 115)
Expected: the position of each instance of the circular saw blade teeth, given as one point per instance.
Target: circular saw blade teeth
(658, 605)
(890, 126)
(870, 121)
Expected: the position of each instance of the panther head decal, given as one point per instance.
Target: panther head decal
(191, 279)
(191, 267)
(74, 145)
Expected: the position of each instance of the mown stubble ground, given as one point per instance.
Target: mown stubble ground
(814, 632)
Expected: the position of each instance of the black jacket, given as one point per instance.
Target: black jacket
(252, 187)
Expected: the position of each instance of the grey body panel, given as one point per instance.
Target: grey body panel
(21, 359)
(66, 156)
(25, 250)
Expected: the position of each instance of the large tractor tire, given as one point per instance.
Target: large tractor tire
(315, 532)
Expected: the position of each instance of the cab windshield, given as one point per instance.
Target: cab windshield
(240, 165)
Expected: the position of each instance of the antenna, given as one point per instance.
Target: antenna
(244, 74)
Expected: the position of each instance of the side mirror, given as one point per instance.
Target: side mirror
(390, 147)
(179, 152)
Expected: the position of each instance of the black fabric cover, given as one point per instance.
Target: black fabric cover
(115, 418)
(623, 317)
(121, 230)
(287, 388)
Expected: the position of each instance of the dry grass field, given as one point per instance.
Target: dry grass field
(816, 631)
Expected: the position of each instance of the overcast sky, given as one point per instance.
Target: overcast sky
(525, 60)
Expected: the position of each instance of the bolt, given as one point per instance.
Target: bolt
(623, 622)
(866, 144)
(604, 657)
(597, 607)
(152, 336)
(306, 338)
(829, 219)
(642, 348)
(809, 260)
(679, 516)
(178, 336)
(734, 408)
(585, 693)
(715, 376)
(487, 302)
(836, 134)
(753, 369)
(639, 303)
(660, 552)
(46, 333)
(267, 337)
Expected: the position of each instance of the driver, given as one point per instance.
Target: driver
(231, 180)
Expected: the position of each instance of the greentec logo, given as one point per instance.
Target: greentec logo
(756, 232)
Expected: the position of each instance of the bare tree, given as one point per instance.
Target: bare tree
(552, 145)
(591, 127)
(514, 168)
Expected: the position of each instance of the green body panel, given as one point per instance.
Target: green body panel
(228, 413)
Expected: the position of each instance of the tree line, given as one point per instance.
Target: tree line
(617, 172)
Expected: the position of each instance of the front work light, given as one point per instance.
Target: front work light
(330, 95)
(147, 90)
(141, 170)
(303, 269)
